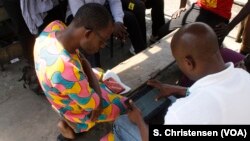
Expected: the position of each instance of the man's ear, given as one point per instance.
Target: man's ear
(190, 63)
(87, 33)
(83, 32)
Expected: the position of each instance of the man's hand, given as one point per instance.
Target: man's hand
(178, 13)
(167, 90)
(134, 114)
(97, 112)
(120, 31)
(144, 3)
(221, 30)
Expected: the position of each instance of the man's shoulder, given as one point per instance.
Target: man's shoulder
(240, 74)
(55, 26)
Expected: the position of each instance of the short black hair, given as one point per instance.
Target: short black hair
(92, 16)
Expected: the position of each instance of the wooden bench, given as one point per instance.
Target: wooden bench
(135, 71)
(240, 2)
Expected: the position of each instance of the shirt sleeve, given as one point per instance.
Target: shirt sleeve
(116, 9)
(73, 83)
(74, 5)
(171, 118)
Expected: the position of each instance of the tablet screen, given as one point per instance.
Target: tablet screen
(144, 99)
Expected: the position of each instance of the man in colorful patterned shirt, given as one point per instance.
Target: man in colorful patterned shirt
(67, 78)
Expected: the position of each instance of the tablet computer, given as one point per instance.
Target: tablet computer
(144, 99)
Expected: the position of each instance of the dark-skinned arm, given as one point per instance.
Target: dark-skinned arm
(167, 90)
(182, 8)
(222, 29)
(135, 116)
(183, 3)
(94, 84)
(143, 127)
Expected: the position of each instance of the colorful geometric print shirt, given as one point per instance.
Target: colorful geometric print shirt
(65, 84)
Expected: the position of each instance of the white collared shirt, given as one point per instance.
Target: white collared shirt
(115, 7)
(220, 98)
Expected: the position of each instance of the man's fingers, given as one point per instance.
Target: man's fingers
(124, 27)
(174, 16)
(154, 83)
(131, 103)
(133, 107)
(119, 35)
(158, 97)
(92, 117)
(121, 31)
(178, 14)
(95, 114)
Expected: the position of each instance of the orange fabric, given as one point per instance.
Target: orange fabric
(220, 7)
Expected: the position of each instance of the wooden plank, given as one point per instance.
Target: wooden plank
(240, 2)
(138, 69)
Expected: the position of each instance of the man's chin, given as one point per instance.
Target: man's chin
(90, 52)
(95, 51)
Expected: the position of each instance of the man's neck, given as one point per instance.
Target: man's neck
(66, 39)
(212, 68)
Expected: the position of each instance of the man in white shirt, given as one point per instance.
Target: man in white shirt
(220, 94)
